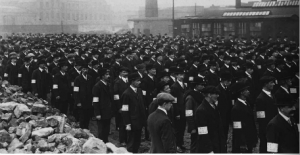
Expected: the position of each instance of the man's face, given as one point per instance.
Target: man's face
(84, 71)
(136, 83)
(167, 89)
(246, 93)
(152, 71)
(270, 85)
(199, 87)
(165, 79)
(160, 58)
(250, 71)
(227, 62)
(214, 97)
(227, 83)
(65, 68)
(124, 74)
(168, 105)
(288, 110)
(172, 56)
(106, 76)
(288, 82)
(213, 68)
(180, 77)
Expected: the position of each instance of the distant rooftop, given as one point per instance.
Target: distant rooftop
(276, 4)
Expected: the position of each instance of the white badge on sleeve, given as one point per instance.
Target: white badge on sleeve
(33, 81)
(272, 147)
(175, 100)
(76, 89)
(237, 125)
(95, 99)
(5, 75)
(144, 92)
(116, 97)
(260, 114)
(167, 70)
(55, 86)
(191, 78)
(202, 130)
(259, 66)
(188, 113)
(19, 75)
(293, 90)
(125, 108)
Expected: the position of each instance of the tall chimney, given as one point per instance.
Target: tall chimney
(238, 3)
(151, 8)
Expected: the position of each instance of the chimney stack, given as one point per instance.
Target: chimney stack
(238, 3)
(151, 9)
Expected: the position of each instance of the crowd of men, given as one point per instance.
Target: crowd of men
(160, 86)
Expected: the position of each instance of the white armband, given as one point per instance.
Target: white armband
(5, 75)
(76, 89)
(202, 130)
(237, 125)
(55, 86)
(116, 97)
(144, 92)
(125, 108)
(188, 113)
(19, 75)
(293, 90)
(167, 70)
(191, 78)
(272, 147)
(33, 81)
(260, 114)
(95, 99)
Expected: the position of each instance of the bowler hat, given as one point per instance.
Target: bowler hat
(266, 79)
(150, 66)
(161, 85)
(284, 100)
(225, 76)
(133, 76)
(198, 80)
(239, 87)
(210, 90)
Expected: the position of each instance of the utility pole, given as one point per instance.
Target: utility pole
(173, 18)
(62, 26)
(195, 9)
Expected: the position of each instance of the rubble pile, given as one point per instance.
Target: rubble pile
(30, 125)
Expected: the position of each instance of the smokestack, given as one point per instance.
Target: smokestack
(238, 3)
(151, 8)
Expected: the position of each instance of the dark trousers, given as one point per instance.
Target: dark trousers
(103, 129)
(63, 106)
(84, 117)
(122, 129)
(134, 140)
(179, 125)
(263, 143)
(193, 148)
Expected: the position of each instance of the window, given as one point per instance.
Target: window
(206, 29)
(255, 29)
(185, 29)
(242, 28)
(217, 29)
(229, 29)
(196, 29)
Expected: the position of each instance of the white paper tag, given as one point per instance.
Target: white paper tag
(202, 130)
(76, 89)
(188, 113)
(232, 101)
(144, 92)
(125, 108)
(33, 81)
(272, 147)
(5, 75)
(237, 125)
(293, 90)
(259, 66)
(167, 70)
(55, 86)
(175, 100)
(260, 114)
(191, 78)
(116, 97)
(95, 99)
(19, 75)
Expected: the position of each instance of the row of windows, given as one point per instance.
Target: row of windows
(205, 29)
(276, 3)
(257, 13)
(75, 17)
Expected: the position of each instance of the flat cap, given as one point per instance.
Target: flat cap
(165, 97)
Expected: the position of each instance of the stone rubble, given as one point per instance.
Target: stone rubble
(29, 125)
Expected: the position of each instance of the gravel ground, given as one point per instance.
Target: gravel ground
(145, 145)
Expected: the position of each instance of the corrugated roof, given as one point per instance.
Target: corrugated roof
(276, 4)
(149, 19)
(243, 17)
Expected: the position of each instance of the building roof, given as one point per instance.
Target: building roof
(245, 17)
(276, 4)
(149, 19)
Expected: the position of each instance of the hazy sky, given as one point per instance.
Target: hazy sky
(135, 4)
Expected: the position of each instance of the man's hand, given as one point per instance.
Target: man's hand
(36, 94)
(178, 117)
(212, 152)
(128, 127)
(57, 97)
(98, 117)
(78, 104)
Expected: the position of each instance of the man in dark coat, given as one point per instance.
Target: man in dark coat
(40, 80)
(83, 97)
(94, 72)
(62, 87)
(120, 85)
(193, 99)
(160, 127)
(133, 112)
(103, 105)
(11, 71)
(244, 137)
(212, 77)
(224, 100)
(265, 109)
(211, 138)
(24, 75)
(282, 131)
(177, 90)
